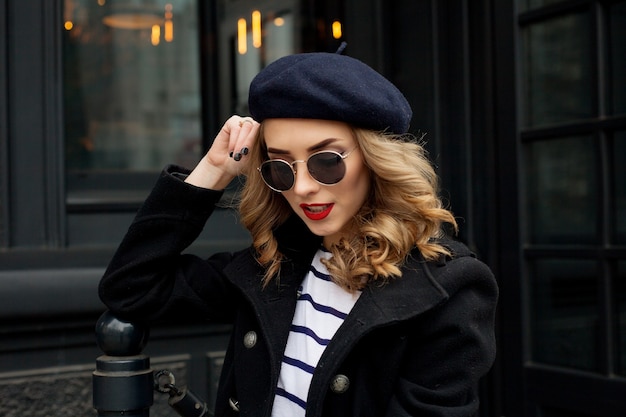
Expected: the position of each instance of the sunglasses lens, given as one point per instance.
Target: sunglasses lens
(327, 167)
(277, 175)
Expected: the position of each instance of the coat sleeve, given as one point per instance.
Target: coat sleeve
(148, 278)
(451, 347)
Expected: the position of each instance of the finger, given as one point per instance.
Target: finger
(228, 134)
(245, 120)
(248, 129)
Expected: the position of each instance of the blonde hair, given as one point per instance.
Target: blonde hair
(403, 211)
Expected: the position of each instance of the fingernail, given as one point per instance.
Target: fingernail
(244, 150)
(230, 154)
(237, 156)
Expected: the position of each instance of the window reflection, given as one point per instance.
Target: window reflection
(561, 191)
(564, 313)
(277, 41)
(132, 89)
(557, 77)
(253, 34)
(534, 4)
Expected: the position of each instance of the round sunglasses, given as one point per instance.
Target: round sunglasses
(325, 167)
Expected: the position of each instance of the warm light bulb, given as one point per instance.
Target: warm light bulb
(242, 34)
(337, 29)
(155, 38)
(169, 31)
(168, 26)
(68, 25)
(256, 29)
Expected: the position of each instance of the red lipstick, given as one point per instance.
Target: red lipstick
(316, 211)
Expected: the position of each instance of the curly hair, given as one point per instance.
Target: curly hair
(403, 211)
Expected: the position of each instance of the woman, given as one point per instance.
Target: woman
(349, 302)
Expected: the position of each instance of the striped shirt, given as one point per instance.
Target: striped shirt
(321, 308)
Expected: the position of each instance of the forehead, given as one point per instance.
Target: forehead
(296, 134)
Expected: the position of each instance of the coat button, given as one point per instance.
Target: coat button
(234, 404)
(249, 339)
(339, 384)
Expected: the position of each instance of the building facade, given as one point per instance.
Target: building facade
(522, 105)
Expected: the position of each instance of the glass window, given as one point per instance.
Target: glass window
(132, 85)
(253, 34)
(535, 4)
(276, 40)
(561, 191)
(564, 313)
(617, 13)
(619, 177)
(557, 56)
(620, 302)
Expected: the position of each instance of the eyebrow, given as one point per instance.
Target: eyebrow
(315, 147)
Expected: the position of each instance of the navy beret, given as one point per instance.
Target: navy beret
(328, 86)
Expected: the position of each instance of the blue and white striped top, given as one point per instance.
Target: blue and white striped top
(321, 308)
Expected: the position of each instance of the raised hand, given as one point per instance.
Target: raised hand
(227, 156)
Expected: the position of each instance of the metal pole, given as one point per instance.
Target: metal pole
(123, 381)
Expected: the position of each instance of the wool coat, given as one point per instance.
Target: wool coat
(414, 346)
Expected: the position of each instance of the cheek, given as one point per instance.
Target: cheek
(358, 186)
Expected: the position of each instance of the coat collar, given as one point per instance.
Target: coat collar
(399, 299)
(402, 298)
(410, 295)
(415, 292)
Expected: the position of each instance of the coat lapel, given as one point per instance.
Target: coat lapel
(274, 305)
(414, 293)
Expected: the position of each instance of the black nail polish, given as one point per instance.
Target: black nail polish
(230, 154)
(237, 156)
(244, 150)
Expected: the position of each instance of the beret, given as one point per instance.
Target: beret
(329, 86)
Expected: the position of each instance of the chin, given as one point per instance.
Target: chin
(321, 232)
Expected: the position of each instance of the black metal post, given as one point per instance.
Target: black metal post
(123, 381)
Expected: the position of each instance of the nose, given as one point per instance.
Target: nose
(304, 183)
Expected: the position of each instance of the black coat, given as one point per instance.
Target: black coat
(416, 346)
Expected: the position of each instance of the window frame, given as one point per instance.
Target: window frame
(549, 386)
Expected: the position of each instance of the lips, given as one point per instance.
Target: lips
(316, 211)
